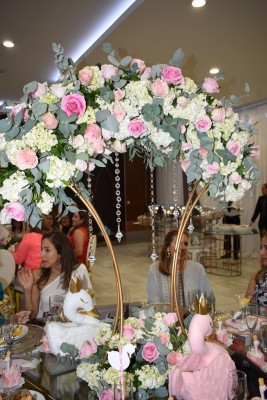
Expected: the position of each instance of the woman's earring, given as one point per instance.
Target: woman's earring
(168, 253)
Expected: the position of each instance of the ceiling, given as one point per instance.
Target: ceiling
(230, 34)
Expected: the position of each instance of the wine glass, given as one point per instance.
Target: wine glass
(56, 307)
(251, 313)
(193, 297)
(243, 300)
(7, 334)
(238, 385)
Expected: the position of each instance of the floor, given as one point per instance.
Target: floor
(133, 261)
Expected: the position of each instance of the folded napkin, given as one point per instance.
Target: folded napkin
(241, 327)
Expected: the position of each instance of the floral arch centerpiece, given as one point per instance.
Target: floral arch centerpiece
(60, 131)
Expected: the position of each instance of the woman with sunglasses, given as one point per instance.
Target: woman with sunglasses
(191, 274)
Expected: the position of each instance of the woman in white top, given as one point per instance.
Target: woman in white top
(59, 265)
(193, 274)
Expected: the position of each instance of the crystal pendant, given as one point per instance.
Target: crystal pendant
(118, 235)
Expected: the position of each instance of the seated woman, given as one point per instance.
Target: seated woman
(59, 265)
(79, 236)
(258, 280)
(193, 275)
(65, 223)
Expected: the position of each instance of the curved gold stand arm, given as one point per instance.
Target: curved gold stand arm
(184, 220)
(92, 210)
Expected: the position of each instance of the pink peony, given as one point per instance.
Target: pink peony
(40, 91)
(174, 357)
(26, 159)
(73, 103)
(170, 319)
(129, 332)
(218, 115)
(118, 112)
(255, 152)
(234, 147)
(203, 152)
(203, 124)
(213, 168)
(87, 349)
(15, 210)
(235, 178)
(85, 76)
(119, 94)
(140, 64)
(92, 132)
(146, 74)
(106, 395)
(210, 85)
(109, 70)
(150, 352)
(159, 88)
(136, 127)
(50, 121)
(172, 75)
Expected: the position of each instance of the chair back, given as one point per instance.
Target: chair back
(7, 268)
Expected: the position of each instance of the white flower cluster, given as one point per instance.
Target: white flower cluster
(12, 186)
(103, 333)
(90, 374)
(46, 203)
(150, 377)
(60, 172)
(40, 138)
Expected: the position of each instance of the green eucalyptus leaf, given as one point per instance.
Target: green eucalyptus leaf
(30, 87)
(177, 58)
(120, 84)
(5, 125)
(113, 61)
(235, 100)
(83, 156)
(29, 124)
(18, 118)
(107, 47)
(247, 88)
(126, 61)
(110, 124)
(3, 159)
(44, 165)
(12, 134)
(102, 115)
(39, 109)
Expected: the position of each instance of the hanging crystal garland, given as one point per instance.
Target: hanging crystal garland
(118, 235)
(190, 226)
(175, 190)
(90, 222)
(153, 209)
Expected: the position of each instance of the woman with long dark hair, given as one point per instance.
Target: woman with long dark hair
(79, 235)
(59, 265)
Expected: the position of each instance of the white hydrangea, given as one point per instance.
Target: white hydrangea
(189, 85)
(230, 167)
(48, 98)
(60, 172)
(46, 203)
(103, 333)
(150, 377)
(89, 373)
(110, 375)
(40, 138)
(88, 117)
(11, 149)
(161, 139)
(97, 81)
(12, 186)
(138, 93)
(3, 142)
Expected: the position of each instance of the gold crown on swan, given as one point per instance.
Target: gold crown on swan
(200, 305)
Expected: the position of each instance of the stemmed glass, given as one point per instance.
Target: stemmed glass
(8, 334)
(238, 389)
(243, 300)
(251, 313)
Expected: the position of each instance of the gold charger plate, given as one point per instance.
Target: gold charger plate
(29, 341)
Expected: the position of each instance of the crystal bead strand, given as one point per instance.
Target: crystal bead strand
(152, 210)
(118, 235)
(90, 221)
(175, 191)
(190, 226)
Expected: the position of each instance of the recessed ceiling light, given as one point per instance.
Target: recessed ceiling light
(198, 3)
(214, 70)
(8, 43)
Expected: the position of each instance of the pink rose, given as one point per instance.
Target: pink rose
(182, 101)
(210, 85)
(15, 210)
(140, 65)
(185, 164)
(203, 152)
(58, 90)
(173, 357)
(229, 112)
(129, 332)
(119, 146)
(87, 349)
(164, 337)
(106, 395)
(245, 184)
(203, 124)
(77, 141)
(99, 146)
(92, 132)
(159, 88)
(109, 70)
(91, 166)
(255, 152)
(106, 134)
(150, 352)
(50, 121)
(26, 159)
(40, 91)
(235, 178)
(136, 127)
(170, 319)
(182, 128)
(119, 94)
(146, 74)
(172, 75)
(213, 168)
(118, 112)
(73, 103)
(85, 76)
(81, 165)
(186, 146)
(218, 115)
(234, 147)
(18, 107)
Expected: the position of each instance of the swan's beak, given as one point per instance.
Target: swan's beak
(92, 313)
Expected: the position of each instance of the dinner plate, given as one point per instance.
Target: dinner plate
(24, 332)
(37, 395)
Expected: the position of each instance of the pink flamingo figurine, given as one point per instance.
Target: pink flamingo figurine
(204, 373)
